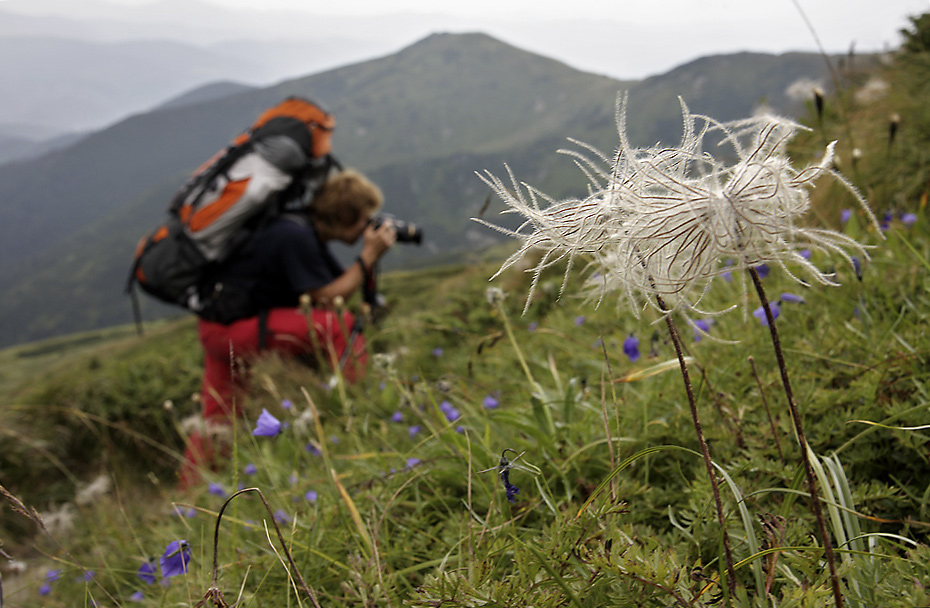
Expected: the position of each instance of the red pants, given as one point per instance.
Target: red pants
(228, 350)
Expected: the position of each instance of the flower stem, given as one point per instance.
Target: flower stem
(705, 451)
(802, 440)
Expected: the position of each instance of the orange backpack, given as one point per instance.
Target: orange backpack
(278, 163)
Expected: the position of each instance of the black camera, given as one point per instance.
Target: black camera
(406, 232)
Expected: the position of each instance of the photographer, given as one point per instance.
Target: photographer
(262, 288)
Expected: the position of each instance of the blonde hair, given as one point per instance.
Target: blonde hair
(345, 198)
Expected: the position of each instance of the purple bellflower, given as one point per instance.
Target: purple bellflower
(759, 313)
(146, 572)
(266, 425)
(175, 559)
(631, 348)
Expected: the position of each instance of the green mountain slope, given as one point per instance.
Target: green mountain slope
(420, 122)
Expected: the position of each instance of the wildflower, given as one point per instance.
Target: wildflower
(701, 328)
(579, 320)
(50, 577)
(885, 224)
(267, 425)
(857, 266)
(313, 449)
(437, 352)
(659, 220)
(138, 596)
(146, 572)
(762, 270)
(806, 254)
(631, 348)
(216, 489)
(490, 402)
(412, 462)
(287, 404)
(250, 469)
(451, 413)
(414, 430)
(908, 219)
(845, 214)
(281, 517)
(311, 496)
(533, 326)
(759, 313)
(503, 470)
(175, 559)
(397, 417)
(790, 297)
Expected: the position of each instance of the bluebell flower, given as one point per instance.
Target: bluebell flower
(146, 573)
(175, 559)
(287, 404)
(631, 347)
(311, 496)
(397, 417)
(250, 469)
(503, 470)
(449, 410)
(532, 326)
(412, 462)
(138, 596)
(701, 327)
(216, 489)
(759, 313)
(857, 266)
(282, 517)
(762, 270)
(50, 577)
(908, 219)
(437, 352)
(414, 430)
(579, 320)
(790, 297)
(490, 402)
(312, 449)
(806, 254)
(845, 214)
(267, 425)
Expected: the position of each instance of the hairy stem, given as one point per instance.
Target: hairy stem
(705, 451)
(802, 440)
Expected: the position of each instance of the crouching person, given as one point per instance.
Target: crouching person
(260, 308)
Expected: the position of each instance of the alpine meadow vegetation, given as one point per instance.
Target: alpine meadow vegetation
(748, 429)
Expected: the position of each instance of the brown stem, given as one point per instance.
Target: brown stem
(214, 589)
(802, 440)
(705, 451)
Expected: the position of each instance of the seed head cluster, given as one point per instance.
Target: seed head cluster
(665, 221)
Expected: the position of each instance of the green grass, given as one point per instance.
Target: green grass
(614, 507)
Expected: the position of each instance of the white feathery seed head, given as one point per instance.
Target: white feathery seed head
(662, 221)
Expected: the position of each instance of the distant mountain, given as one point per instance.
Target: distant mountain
(420, 122)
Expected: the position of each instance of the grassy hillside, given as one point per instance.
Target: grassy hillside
(499, 459)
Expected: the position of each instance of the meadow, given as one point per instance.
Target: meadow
(501, 452)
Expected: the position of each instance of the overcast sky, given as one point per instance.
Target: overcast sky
(627, 38)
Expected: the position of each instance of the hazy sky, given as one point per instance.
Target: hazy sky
(627, 38)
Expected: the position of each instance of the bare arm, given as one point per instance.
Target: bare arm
(377, 242)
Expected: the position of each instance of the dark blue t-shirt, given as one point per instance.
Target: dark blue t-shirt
(283, 261)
